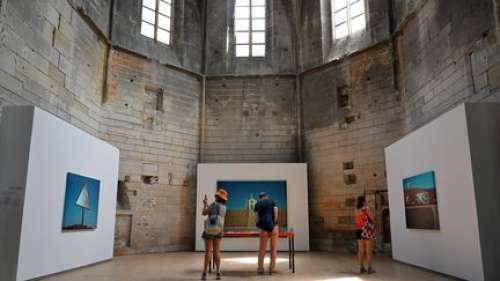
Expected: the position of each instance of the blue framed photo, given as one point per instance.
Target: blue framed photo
(421, 205)
(243, 196)
(81, 204)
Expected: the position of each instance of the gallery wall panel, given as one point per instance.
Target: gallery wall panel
(295, 175)
(55, 149)
(452, 238)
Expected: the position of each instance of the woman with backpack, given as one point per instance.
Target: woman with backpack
(365, 235)
(214, 230)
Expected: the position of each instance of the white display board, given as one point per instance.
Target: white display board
(462, 246)
(295, 175)
(38, 150)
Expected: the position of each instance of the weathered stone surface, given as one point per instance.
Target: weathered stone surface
(250, 120)
(375, 118)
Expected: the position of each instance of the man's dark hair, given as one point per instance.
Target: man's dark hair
(262, 195)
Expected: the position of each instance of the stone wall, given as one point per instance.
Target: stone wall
(449, 53)
(351, 112)
(250, 119)
(98, 11)
(151, 114)
(51, 58)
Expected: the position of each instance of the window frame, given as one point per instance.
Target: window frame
(349, 18)
(156, 25)
(251, 40)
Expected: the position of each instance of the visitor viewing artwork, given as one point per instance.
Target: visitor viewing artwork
(243, 197)
(421, 204)
(81, 203)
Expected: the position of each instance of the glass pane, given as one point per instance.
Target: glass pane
(163, 36)
(258, 37)
(149, 3)
(358, 23)
(340, 16)
(242, 50)
(340, 4)
(258, 12)
(242, 38)
(242, 2)
(357, 8)
(242, 12)
(164, 22)
(258, 50)
(147, 30)
(259, 24)
(242, 25)
(148, 15)
(341, 31)
(165, 8)
(258, 2)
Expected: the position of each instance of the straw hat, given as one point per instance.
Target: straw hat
(222, 194)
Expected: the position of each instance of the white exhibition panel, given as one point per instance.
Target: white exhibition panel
(441, 146)
(295, 174)
(55, 149)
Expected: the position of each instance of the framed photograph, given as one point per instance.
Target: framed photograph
(243, 195)
(81, 204)
(421, 205)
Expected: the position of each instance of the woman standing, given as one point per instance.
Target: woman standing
(365, 235)
(214, 230)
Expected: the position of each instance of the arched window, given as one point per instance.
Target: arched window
(250, 28)
(156, 20)
(348, 17)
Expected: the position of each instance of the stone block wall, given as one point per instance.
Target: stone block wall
(151, 114)
(351, 112)
(250, 119)
(449, 53)
(51, 58)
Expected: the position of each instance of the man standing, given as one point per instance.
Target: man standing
(267, 212)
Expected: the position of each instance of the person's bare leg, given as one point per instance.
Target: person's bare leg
(361, 254)
(208, 250)
(217, 256)
(369, 255)
(274, 249)
(264, 236)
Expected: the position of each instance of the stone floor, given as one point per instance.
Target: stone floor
(242, 266)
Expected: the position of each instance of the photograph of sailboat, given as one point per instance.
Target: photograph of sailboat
(81, 203)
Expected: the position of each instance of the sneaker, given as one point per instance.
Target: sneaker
(362, 270)
(370, 271)
(218, 276)
(204, 276)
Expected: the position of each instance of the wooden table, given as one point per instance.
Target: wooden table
(283, 234)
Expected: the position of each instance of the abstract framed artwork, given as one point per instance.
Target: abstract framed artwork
(421, 205)
(243, 195)
(81, 203)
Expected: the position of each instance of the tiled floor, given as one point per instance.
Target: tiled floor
(314, 266)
